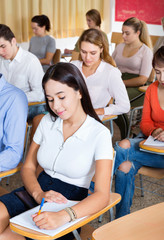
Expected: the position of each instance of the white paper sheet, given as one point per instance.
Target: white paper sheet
(25, 219)
(150, 141)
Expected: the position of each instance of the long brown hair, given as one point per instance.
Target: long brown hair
(139, 25)
(95, 37)
(95, 16)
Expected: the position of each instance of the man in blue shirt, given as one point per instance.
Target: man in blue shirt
(13, 116)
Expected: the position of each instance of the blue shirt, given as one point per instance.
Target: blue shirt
(13, 116)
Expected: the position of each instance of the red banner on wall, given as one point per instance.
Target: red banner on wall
(151, 11)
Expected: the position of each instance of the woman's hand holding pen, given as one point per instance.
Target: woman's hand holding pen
(50, 196)
(50, 220)
(158, 134)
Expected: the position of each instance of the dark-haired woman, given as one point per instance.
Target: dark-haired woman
(71, 145)
(42, 45)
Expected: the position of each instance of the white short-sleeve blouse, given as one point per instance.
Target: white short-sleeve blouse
(72, 161)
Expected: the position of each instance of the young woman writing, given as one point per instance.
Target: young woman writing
(62, 147)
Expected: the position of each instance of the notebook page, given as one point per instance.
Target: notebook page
(25, 219)
(150, 141)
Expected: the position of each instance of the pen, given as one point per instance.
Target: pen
(41, 205)
(155, 139)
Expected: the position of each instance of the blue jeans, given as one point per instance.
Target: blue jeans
(35, 110)
(124, 182)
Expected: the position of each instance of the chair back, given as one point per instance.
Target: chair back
(116, 38)
(75, 56)
(57, 56)
(154, 39)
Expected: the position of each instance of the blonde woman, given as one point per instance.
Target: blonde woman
(133, 57)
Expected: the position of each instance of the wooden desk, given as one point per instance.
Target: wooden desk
(66, 56)
(147, 148)
(114, 199)
(145, 224)
(36, 103)
(143, 88)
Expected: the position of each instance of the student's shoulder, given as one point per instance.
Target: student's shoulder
(153, 86)
(49, 122)
(15, 93)
(33, 39)
(146, 49)
(120, 46)
(111, 69)
(77, 63)
(26, 55)
(96, 127)
(50, 38)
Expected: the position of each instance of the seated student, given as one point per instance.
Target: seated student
(21, 68)
(160, 42)
(133, 58)
(102, 78)
(13, 116)
(42, 45)
(129, 158)
(93, 20)
(61, 146)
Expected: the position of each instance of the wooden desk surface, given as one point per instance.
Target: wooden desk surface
(151, 148)
(143, 88)
(109, 117)
(113, 200)
(36, 103)
(145, 224)
(64, 55)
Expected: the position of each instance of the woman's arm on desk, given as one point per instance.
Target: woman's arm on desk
(136, 82)
(48, 58)
(93, 203)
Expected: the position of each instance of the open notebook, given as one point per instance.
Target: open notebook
(150, 142)
(25, 219)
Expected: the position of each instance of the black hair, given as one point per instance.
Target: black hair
(6, 33)
(69, 74)
(158, 58)
(42, 20)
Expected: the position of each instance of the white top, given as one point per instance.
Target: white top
(104, 84)
(140, 63)
(72, 161)
(24, 72)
